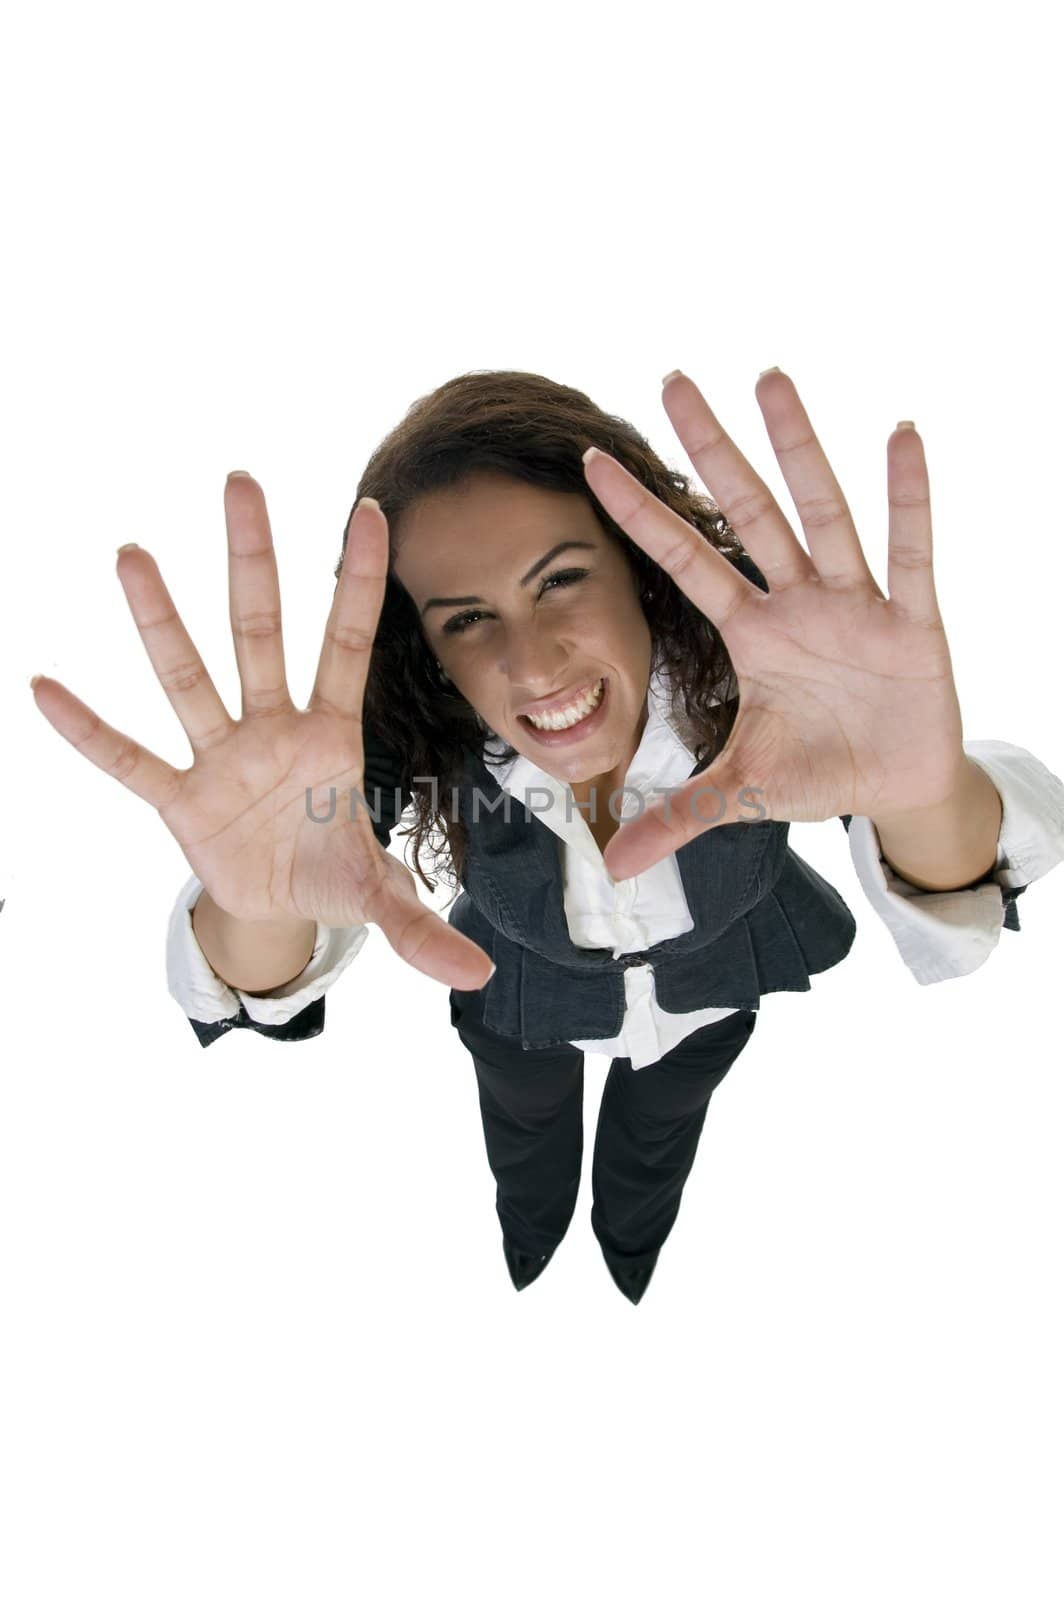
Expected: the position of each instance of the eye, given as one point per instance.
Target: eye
(570, 575)
(463, 620)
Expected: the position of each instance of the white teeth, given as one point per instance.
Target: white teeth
(572, 714)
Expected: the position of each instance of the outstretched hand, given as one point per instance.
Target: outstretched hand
(847, 699)
(240, 812)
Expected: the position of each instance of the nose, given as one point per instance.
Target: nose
(533, 659)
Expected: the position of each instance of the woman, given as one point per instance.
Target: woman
(529, 647)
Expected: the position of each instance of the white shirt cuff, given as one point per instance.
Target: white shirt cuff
(1031, 840)
(201, 994)
(948, 934)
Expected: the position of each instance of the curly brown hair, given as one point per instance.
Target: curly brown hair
(535, 430)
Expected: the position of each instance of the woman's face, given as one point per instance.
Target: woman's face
(523, 626)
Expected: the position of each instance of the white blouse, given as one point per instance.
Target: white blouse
(939, 934)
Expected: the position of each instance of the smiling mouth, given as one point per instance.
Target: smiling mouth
(569, 716)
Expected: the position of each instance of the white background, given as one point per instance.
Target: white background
(260, 1337)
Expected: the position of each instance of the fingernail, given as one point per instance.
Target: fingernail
(589, 452)
(239, 473)
(905, 425)
(368, 500)
(767, 371)
(122, 547)
(675, 373)
(35, 680)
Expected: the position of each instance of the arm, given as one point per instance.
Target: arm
(947, 934)
(291, 1010)
(256, 956)
(287, 1008)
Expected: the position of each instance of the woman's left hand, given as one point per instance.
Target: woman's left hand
(846, 697)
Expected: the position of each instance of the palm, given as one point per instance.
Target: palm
(846, 697)
(844, 706)
(240, 816)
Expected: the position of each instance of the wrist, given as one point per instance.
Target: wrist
(254, 956)
(950, 845)
(956, 788)
(280, 926)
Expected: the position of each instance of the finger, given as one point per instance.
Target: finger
(707, 800)
(115, 753)
(254, 599)
(745, 499)
(829, 528)
(178, 664)
(910, 574)
(704, 575)
(343, 666)
(425, 941)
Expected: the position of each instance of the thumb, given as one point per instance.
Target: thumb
(424, 940)
(706, 800)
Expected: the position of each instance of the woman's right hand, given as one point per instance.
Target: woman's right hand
(239, 812)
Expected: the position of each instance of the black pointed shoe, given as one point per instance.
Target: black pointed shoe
(632, 1281)
(524, 1269)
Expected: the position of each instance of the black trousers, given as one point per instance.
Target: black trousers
(650, 1120)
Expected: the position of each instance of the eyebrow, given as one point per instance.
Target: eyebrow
(476, 599)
